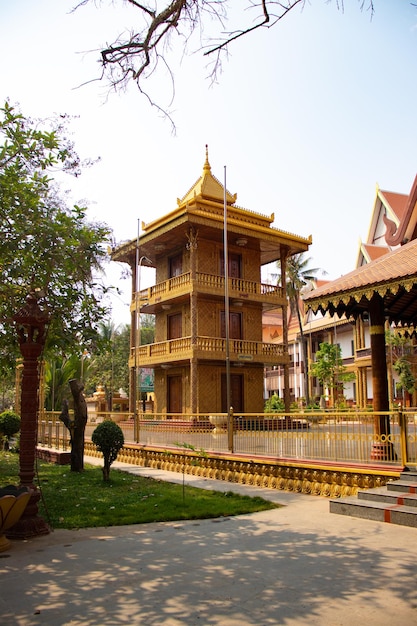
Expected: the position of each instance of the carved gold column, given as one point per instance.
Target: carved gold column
(361, 374)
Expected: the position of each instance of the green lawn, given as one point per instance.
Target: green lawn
(83, 500)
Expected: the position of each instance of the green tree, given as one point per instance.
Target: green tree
(9, 426)
(108, 438)
(298, 275)
(401, 349)
(110, 365)
(7, 383)
(57, 374)
(47, 248)
(274, 404)
(329, 369)
(147, 328)
(406, 380)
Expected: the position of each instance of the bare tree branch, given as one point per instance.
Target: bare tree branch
(135, 55)
(265, 21)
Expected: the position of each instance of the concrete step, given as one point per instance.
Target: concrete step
(377, 511)
(381, 494)
(409, 476)
(402, 486)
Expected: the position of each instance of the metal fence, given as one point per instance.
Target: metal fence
(338, 437)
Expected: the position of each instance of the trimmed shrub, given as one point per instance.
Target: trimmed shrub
(108, 438)
(9, 426)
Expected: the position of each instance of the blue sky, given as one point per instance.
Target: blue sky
(307, 117)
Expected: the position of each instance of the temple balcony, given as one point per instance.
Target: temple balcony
(210, 349)
(270, 296)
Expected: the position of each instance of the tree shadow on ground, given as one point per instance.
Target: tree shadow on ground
(233, 571)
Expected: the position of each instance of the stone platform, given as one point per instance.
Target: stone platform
(396, 503)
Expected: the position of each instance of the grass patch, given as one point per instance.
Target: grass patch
(84, 500)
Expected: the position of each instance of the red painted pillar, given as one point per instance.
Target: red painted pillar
(382, 449)
(31, 324)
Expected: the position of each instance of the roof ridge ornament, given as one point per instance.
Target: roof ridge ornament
(206, 166)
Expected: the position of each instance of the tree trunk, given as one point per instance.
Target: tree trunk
(106, 469)
(77, 427)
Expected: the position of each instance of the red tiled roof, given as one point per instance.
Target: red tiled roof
(320, 282)
(397, 202)
(374, 252)
(400, 263)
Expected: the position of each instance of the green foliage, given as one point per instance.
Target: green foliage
(83, 500)
(189, 446)
(298, 276)
(274, 404)
(58, 372)
(147, 328)
(328, 366)
(109, 365)
(401, 347)
(108, 438)
(9, 425)
(47, 248)
(405, 374)
(7, 383)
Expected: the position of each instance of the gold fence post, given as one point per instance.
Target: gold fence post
(57, 435)
(230, 428)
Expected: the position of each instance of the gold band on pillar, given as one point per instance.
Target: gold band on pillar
(376, 330)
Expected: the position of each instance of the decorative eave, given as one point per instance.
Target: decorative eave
(240, 222)
(338, 303)
(124, 252)
(393, 277)
(398, 235)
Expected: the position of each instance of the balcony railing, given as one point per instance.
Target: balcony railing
(209, 348)
(214, 285)
(363, 353)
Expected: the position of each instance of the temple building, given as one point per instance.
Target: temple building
(208, 352)
(393, 226)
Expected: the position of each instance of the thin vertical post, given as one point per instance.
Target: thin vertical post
(403, 424)
(136, 331)
(227, 323)
(283, 261)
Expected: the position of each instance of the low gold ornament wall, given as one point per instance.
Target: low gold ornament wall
(316, 480)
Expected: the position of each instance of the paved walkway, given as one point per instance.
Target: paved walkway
(298, 565)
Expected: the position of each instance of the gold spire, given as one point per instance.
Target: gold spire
(206, 167)
(207, 187)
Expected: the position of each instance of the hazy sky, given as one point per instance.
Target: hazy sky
(307, 117)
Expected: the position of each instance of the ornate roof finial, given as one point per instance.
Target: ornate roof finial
(207, 167)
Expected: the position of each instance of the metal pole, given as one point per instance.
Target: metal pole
(138, 344)
(227, 324)
(135, 393)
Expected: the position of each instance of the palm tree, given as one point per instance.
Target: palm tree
(298, 276)
(59, 370)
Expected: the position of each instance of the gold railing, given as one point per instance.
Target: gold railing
(209, 348)
(213, 284)
(338, 438)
